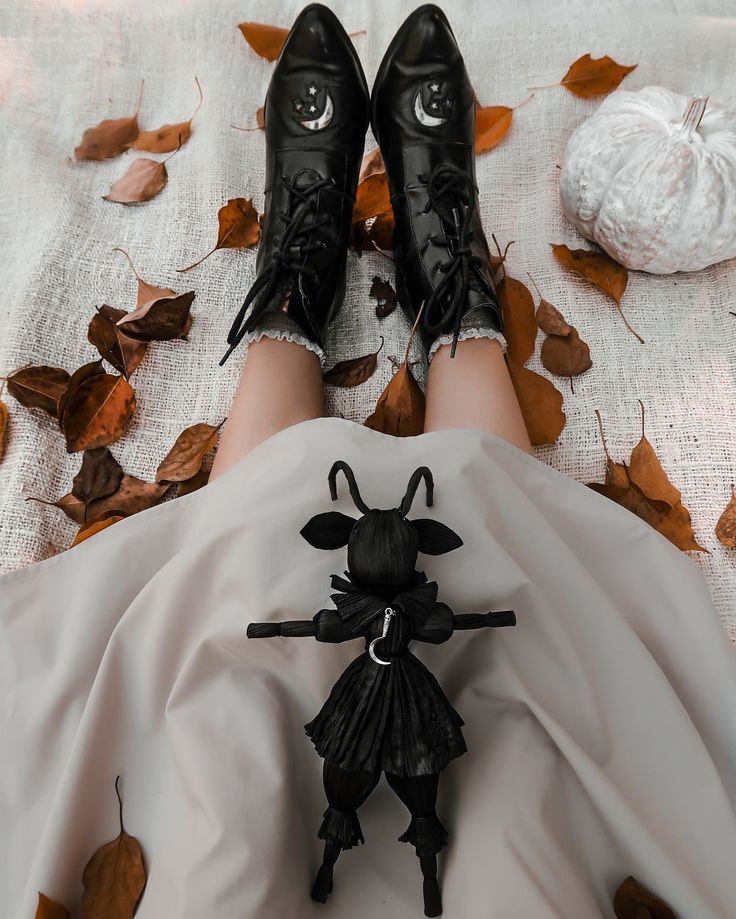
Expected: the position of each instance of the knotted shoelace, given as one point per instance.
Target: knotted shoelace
(287, 258)
(451, 194)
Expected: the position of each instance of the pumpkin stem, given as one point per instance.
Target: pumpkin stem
(693, 114)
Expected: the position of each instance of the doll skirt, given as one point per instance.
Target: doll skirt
(600, 730)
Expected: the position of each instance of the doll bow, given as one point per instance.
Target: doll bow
(356, 608)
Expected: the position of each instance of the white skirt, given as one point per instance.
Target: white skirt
(600, 730)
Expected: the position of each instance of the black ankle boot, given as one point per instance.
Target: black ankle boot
(316, 116)
(423, 117)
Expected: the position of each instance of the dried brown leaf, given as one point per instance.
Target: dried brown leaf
(184, 459)
(161, 319)
(372, 198)
(122, 352)
(239, 228)
(266, 41)
(99, 475)
(633, 901)
(354, 371)
(540, 402)
(39, 387)
(588, 77)
(726, 526)
(169, 136)
(381, 232)
(197, 481)
(114, 877)
(50, 909)
(143, 180)
(94, 526)
(372, 164)
(85, 372)
(565, 355)
(132, 496)
(384, 295)
(550, 320)
(400, 407)
(110, 137)
(601, 270)
(519, 323)
(97, 412)
(492, 123)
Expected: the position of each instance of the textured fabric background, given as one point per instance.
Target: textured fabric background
(66, 64)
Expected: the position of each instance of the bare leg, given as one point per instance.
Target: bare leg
(281, 385)
(474, 390)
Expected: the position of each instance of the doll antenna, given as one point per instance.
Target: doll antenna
(352, 484)
(411, 488)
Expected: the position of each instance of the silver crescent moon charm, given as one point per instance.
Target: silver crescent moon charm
(318, 124)
(386, 622)
(423, 116)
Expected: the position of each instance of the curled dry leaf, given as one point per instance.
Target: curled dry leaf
(400, 407)
(133, 495)
(353, 372)
(162, 319)
(633, 901)
(184, 459)
(372, 164)
(197, 481)
(643, 487)
(239, 228)
(100, 475)
(97, 411)
(39, 387)
(110, 137)
(565, 355)
(385, 295)
(94, 526)
(50, 909)
(726, 526)
(519, 323)
(266, 41)
(372, 198)
(588, 77)
(114, 877)
(85, 372)
(541, 404)
(169, 136)
(599, 268)
(144, 180)
(122, 352)
(550, 320)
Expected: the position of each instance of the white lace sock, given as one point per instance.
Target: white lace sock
(477, 323)
(272, 324)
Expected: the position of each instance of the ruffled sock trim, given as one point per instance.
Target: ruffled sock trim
(426, 834)
(341, 827)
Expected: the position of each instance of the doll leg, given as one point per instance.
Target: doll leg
(346, 790)
(474, 390)
(281, 385)
(425, 832)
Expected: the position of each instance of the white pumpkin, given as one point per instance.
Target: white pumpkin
(651, 178)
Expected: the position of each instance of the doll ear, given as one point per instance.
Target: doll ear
(435, 538)
(328, 531)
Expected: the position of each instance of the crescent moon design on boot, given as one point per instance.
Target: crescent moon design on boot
(423, 116)
(308, 104)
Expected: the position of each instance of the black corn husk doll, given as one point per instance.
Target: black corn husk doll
(386, 712)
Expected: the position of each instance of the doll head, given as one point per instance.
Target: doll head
(383, 544)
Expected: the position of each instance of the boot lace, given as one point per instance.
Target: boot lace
(452, 195)
(287, 259)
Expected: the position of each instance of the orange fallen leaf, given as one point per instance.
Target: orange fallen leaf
(540, 402)
(588, 77)
(726, 526)
(266, 41)
(50, 909)
(143, 180)
(97, 412)
(239, 228)
(372, 164)
(169, 136)
(114, 877)
(565, 355)
(400, 407)
(519, 323)
(372, 198)
(94, 526)
(492, 123)
(122, 352)
(601, 270)
(110, 137)
(99, 476)
(184, 459)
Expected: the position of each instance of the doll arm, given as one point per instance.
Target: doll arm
(482, 620)
(294, 628)
(326, 625)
